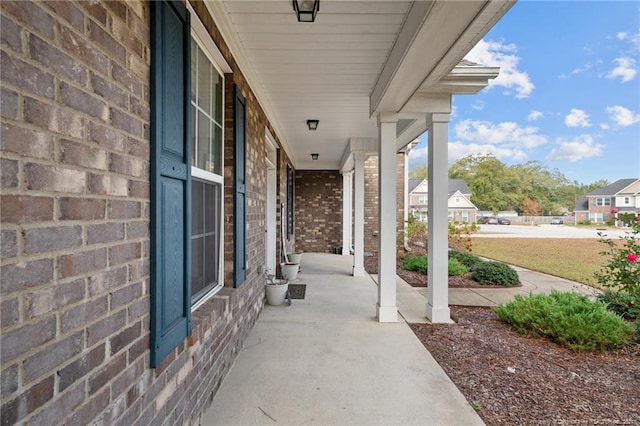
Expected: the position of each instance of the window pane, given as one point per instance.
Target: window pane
(217, 92)
(197, 207)
(205, 83)
(210, 266)
(194, 67)
(204, 160)
(194, 135)
(197, 272)
(209, 195)
(217, 149)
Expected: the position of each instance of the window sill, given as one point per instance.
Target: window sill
(209, 313)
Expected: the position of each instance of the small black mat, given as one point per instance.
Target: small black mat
(297, 291)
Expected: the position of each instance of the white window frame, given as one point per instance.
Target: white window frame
(200, 35)
(422, 199)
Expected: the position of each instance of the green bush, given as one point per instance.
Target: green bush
(570, 319)
(623, 303)
(419, 264)
(494, 273)
(456, 268)
(415, 263)
(464, 257)
(638, 329)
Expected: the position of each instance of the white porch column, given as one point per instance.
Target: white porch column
(358, 231)
(347, 213)
(437, 241)
(387, 310)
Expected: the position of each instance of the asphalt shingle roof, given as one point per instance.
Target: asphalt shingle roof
(612, 189)
(454, 185)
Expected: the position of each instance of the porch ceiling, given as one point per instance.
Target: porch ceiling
(358, 58)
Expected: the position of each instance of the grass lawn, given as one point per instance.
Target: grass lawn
(572, 258)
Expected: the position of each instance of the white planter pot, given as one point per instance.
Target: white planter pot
(289, 271)
(294, 257)
(276, 292)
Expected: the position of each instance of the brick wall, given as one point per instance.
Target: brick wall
(75, 225)
(318, 210)
(371, 204)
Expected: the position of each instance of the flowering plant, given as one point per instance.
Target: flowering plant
(622, 271)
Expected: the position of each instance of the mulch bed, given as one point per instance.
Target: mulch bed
(515, 380)
(511, 379)
(416, 279)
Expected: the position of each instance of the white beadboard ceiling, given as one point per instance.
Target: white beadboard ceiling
(329, 69)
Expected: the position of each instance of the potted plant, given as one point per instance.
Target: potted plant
(294, 257)
(289, 270)
(276, 290)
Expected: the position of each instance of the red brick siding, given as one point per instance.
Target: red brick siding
(318, 209)
(75, 225)
(371, 205)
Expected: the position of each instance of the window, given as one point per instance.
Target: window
(290, 195)
(626, 200)
(596, 217)
(421, 215)
(206, 170)
(423, 200)
(186, 172)
(603, 201)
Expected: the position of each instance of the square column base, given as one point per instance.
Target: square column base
(439, 315)
(358, 271)
(387, 313)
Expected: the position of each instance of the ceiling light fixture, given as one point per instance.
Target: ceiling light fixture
(313, 124)
(306, 10)
(314, 156)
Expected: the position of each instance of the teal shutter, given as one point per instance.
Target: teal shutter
(240, 191)
(170, 178)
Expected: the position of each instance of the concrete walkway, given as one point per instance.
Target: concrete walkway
(325, 360)
(412, 307)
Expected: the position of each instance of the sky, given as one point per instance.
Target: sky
(568, 92)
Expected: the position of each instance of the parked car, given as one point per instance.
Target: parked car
(489, 220)
(556, 221)
(503, 221)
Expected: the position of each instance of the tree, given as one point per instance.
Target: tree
(529, 207)
(419, 173)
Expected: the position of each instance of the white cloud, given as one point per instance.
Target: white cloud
(604, 126)
(575, 149)
(577, 118)
(634, 39)
(458, 150)
(498, 54)
(507, 134)
(622, 116)
(627, 69)
(534, 115)
(478, 105)
(420, 155)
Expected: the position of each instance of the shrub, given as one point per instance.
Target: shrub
(623, 303)
(464, 257)
(419, 264)
(570, 319)
(459, 235)
(456, 268)
(494, 273)
(622, 270)
(415, 263)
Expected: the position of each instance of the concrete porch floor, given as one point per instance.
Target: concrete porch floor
(326, 360)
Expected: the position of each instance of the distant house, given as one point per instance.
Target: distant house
(603, 204)
(460, 207)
